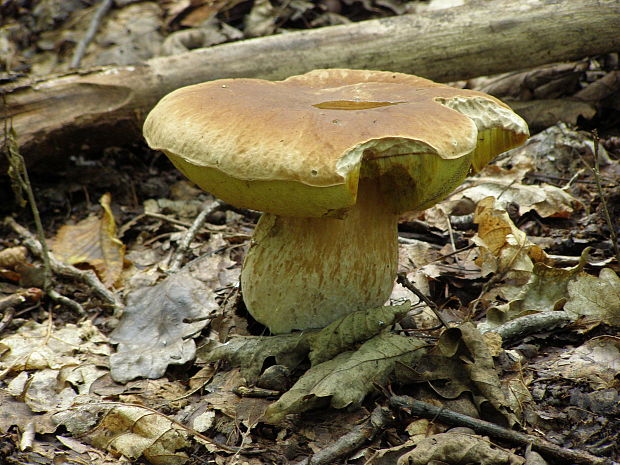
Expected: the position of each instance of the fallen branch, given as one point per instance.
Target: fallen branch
(353, 440)
(404, 281)
(8, 304)
(86, 277)
(422, 409)
(53, 115)
(80, 50)
(535, 323)
(191, 233)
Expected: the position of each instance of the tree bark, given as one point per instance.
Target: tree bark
(98, 107)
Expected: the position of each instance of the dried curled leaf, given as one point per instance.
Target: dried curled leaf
(595, 362)
(130, 430)
(457, 448)
(504, 248)
(93, 242)
(36, 347)
(346, 379)
(595, 298)
(468, 345)
(344, 333)
(547, 200)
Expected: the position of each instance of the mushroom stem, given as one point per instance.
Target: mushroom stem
(302, 273)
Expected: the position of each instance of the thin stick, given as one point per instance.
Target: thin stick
(80, 50)
(422, 409)
(66, 301)
(8, 304)
(191, 233)
(21, 183)
(451, 234)
(599, 187)
(532, 324)
(403, 281)
(87, 277)
(353, 440)
(7, 318)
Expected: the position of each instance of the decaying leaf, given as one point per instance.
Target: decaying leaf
(552, 152)
(453, 448)
(222, 399)
(546, 291)
(158, 323)
(504, 248)
(52, 366)
(596, 362)
(346, 379)
(11, 256)
(468, 345)
(262, 19)
(249, 353)
(37, 346)
(127, 35)
(93, 242)
(595, 298)
(42, 391)
(545, 199)
(129, 430)
(16, 413)
(344, 333)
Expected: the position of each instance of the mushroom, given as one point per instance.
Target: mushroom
(332, 157)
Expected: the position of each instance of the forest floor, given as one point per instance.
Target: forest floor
(111, 354)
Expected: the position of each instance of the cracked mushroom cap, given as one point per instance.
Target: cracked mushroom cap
(299, 147)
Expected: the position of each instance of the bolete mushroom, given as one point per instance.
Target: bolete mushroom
(332, 157)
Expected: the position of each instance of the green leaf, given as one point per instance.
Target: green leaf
(346, 379)
(545, 291)
(344, 333)
(249, 353)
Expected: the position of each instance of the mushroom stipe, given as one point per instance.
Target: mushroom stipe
(332, 157)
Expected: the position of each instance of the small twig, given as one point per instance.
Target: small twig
(531, 324)
(597, 177)
(403, 281)
(451, 235)
(568, 182)
(87, 277)
(353, 440)
(9, 313)
(21, 183)
(66, 301)
(422, 409)
(457, 251)
(80, 50)
(169, 219)
(8, 304)
(191, 233)
(256, 392)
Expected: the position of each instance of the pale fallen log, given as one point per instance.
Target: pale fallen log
(94, 108)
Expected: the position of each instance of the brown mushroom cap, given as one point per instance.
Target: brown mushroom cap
(298, 147)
